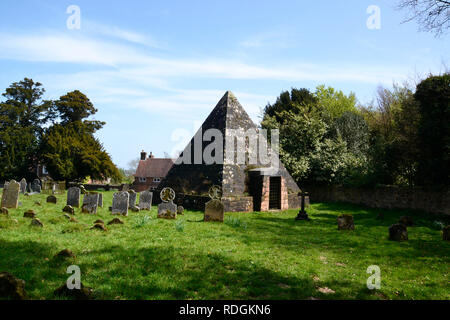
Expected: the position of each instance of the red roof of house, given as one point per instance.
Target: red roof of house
(153, 168)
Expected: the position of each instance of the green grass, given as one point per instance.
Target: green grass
(250, 256)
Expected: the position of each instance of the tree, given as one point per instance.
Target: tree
(69, 148)
(313, 128)
(23, 116)
(72, 153)
(432, 15)
(433, 97)
(393, 141)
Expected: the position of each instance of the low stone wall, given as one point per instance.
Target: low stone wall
(238, 204)
(387, 197)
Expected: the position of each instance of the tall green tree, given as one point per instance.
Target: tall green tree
(433, 98)
(313, 129)
(23, 116)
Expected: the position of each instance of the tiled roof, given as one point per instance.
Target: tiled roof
(153, 167)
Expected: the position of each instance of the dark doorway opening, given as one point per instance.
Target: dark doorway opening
(275, 193)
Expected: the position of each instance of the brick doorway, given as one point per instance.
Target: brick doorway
(275, 193)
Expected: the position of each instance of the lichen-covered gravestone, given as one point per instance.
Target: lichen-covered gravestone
(36, 186)
(90, 203)
(73, 197)
(145, 200)
(132, 198)
(23, 186)
(10, 197)
(52, 199)
(214, 209)
(120, 203)
(167, 209)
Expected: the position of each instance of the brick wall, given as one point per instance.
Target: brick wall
(387, 197)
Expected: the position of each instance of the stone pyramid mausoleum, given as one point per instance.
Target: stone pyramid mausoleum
(246, 186)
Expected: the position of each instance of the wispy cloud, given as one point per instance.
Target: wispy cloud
(93, 28)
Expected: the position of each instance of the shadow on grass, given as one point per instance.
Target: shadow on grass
(156, 273)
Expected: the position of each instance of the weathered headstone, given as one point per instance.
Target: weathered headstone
(90, 203)
(214, 209)
(10, 197)
(180, 210)
(100, 200)
(69, 209)
(145, 200)
(398, 232)
(36, 186)
(132, 198)
(73, 197)
(5, 185)
(167, 209)
(120, 203)
(36, 223)
(29, 214)
(23, 186)
(345, 222)
(52, 199)
(446, 233)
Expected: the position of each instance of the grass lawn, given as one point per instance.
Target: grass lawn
(250, 256)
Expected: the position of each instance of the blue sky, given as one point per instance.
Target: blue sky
(155, 69)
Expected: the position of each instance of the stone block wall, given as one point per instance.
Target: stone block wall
(387, 197)
(238, 204)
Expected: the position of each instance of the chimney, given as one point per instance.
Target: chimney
(151, 155)
(143, 155)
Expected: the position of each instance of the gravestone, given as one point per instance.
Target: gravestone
(100, 200)
(398, 232)
(132, 198)
(167, 209)
(180, 210)
(5, 185)
(73, 197)
(90, 203)
(10, 197)
(345, 222)
(36, 186)
(120, 203)
(145, 200)
(214, 209)
(446, 233)
(23, 186)
(52, 199)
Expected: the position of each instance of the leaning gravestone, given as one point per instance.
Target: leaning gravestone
(23, 186)
(10, 197)
(73, 197)
(120, 203)
(145, 200)
(90, 203)
(36, 186)
(167, 209)
(214, 209)
(100, 200)
(132, 198)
